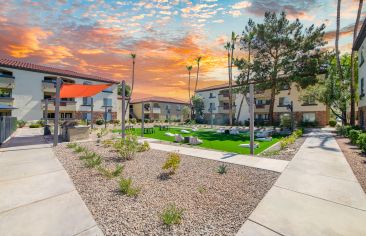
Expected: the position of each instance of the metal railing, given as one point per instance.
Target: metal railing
(8, 125)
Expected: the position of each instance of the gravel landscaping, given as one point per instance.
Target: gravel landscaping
(286, 154)
(356, 159)
(214, 204)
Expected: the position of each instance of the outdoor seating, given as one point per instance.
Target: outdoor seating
(234, 131)
(149, 130)
(194, 140)
(185, 131)
(220, 131)
(163, 127)
(169, 134)
(262, 134)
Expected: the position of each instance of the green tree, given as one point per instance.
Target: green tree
(285, 52)
(332, 90)
(127, 90)
(198, 107)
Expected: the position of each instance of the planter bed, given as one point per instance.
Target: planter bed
(286, 154)
(213, 204)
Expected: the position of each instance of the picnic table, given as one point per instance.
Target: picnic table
(149, 130)
(164, 127)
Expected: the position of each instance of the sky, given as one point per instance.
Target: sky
(98, 36)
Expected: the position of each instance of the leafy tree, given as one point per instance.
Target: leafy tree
(285, 52)
(333, 90)
(127, 90)
(198, 106)
(186, 111)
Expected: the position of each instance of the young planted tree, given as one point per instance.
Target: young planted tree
(353, 79)
(285, 52)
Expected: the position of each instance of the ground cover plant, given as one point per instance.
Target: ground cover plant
(212, 140)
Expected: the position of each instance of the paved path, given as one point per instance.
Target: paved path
(37, 197)
(317, 194)
(245, 160)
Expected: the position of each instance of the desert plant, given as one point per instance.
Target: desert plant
(79, 149)
(93, 161)
(172, 163)
(127, 148)
(283, 143)
(100, 122)
(71, 145)
(172, 215)
(35, 125)
(201, 189)
(332, 123)
(222, 169)
(133, 121)
(88, 155)
(21, 123)
(353, 135)
(362, 142)
(102, 132)
(108, 143)
(143, 147)
(298, 133)
(111, 173)
(126, 187)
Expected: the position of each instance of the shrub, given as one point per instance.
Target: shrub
(71, 145)
(286, 122)
(341, 130)
(102, 132)
(143, 147)
(127, 148)
(99, 122)
(298, 133)
(332, 123)
(126, 188)
(79, 149)
(222, 169)
(40, 122)
(172, 215)
(88, 155)
(93, 162)
(35, 125)
(284, 143)
(108, 143)
(111, 173)
(309, 124)
(115, 122)
(362, 142)
(353, 135)
(172, 163)
(133, 121)
(347, 128)
(21, 123)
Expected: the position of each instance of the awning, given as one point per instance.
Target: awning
(81, 90)
(7, 107)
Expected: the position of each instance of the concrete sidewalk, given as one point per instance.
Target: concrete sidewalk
(245, 160)
(37, 197)
(317, 194)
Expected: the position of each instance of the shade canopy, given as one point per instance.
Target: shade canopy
(81, 90)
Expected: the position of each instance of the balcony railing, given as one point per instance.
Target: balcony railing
(64, 105)
(48, 86)
(6, 99)
(6, 81)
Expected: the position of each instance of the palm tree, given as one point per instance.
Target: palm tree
(133, 56)
(234, 37)
(198, 59)
(189, 68)
(228, 48)
(352, 84)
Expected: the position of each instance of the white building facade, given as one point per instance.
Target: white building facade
(26, 86)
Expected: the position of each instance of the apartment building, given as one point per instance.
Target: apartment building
(24, 87)
(158, 109)
(216, 99)
(360, 46)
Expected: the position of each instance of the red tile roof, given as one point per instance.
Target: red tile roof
(22, 65)
(158, 99)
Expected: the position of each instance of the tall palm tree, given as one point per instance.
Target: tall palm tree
(234, 37)
(133, 57)
(198, 59)
(189, 68)
(352, 84)
(228, 49)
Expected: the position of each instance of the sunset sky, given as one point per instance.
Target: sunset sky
(96, 37)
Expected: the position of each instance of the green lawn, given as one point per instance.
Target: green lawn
(213, 140)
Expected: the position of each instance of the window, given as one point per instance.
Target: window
(261, 116)
(179, 107)
(50, 115)
(5, 73)
(86, 101)
(108, 116)
(5, 93)
(212, 106)
(211, 95)
(66, 115)
(308, 117)
(87, 116)
(362, 88)
(107, 102)
(284, 101)
(309, 100)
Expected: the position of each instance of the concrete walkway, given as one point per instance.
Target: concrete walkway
(37, 197)
(317, 194)
(245, 160)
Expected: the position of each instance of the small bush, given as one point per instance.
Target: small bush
(172, 163)
(143, 147)
(362, 142)
(284, 143)
(172, 215)
(115, 122)
(201, 189)
(332, 123)
(341, 130)
(71, 145)
(93, 162)
(298, 133)
(127, 148)
(79, 149)
(99, 122)
(88, 155)
(353, 135)
(222, 169)
(347, 128)
(35, 125)
(21, 123)
(108, 143)
(286, 122)
(133, 121)
(111, 173)
(126, 188)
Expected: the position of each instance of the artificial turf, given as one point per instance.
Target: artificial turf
(212, 140)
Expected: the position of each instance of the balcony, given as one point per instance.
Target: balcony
(6, 99)
(64, 105)
(7, 81)
(156, 110)
(225, 109)
(48, 86)
(225, 97)
(261, 107)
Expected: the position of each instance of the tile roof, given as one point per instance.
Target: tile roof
(22, 65)
(157, 99)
